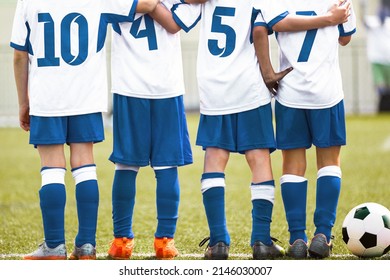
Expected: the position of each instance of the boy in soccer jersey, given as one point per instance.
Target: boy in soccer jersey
(236, 116)
(60, 74)
(149, 124)
(310, 111)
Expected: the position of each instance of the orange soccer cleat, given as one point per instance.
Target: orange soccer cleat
(165, 248)
(121, 248)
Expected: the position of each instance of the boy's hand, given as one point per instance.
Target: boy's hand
(339, 12)
(271, 80)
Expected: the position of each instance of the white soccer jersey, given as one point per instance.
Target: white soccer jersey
(146, 59)
(315, 81)
(65, 41)
(228, 73)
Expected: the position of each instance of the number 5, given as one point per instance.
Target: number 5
(218, 27)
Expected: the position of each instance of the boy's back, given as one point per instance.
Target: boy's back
(228, 72)
(65, 40)
(315, 81)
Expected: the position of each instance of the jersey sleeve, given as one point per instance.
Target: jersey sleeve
(187, 15)
(259, 21)
(348, 28)
(271, 11)
(20, 29)
(121, 8)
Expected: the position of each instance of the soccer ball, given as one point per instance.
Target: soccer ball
(366, 230)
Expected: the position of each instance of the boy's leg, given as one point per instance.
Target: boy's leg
(328, 189)
(262, 195)
(123, 201)
(167, 202)
(87, 199)
(213, 191)
(52, 197)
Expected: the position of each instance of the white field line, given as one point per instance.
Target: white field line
(186, 256)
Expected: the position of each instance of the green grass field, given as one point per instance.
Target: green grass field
(366, 174)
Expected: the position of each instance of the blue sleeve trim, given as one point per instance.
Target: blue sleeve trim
(18, 47)
(345, 34)
(277, 19)
(180, 23)
(270, 31)
(27, 46)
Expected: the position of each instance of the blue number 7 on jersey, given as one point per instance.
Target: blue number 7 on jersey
(309, 39)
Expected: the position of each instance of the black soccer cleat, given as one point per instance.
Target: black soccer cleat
(264, 252)
(319, 247)
(219, 251)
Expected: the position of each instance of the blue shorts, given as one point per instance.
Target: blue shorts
(300, 128)
(150, 131)
(71, 129)
(238, 132)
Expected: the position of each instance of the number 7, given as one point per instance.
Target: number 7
(309, 39)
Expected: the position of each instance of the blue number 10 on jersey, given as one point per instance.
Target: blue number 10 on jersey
(65, 37)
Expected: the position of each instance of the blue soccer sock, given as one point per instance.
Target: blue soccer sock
(167, 201)
(294, 195)
(87, 199)
(52, 196)
(262, 195)
(328, 192)
(213, 189)
(123, 201)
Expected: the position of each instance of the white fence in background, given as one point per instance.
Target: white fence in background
(360, 97)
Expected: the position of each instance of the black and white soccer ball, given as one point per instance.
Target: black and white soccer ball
(366, 230)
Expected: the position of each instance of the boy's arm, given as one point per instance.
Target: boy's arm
(261, 43)
(21, 65)
(344, 40)
(337, 14)
(164, 17)
(146, 6)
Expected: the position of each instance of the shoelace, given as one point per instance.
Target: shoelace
(201, 243)
(276, 240)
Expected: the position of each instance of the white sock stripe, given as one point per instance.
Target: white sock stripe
(162, 167)
(53, 176)
(120, 166)
(332, 170)
(266, 192)
(212, 183)
(289, 178)
(84, 174)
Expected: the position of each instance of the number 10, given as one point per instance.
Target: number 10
(49, 40)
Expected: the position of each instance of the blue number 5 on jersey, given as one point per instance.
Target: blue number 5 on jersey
(218, 27)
